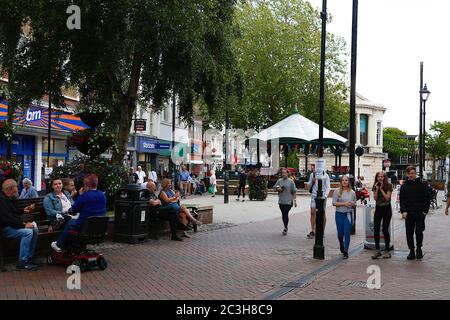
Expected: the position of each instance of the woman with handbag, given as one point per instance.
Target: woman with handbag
(57, 204)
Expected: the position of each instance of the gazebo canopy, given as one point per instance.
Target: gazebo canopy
(298, 129)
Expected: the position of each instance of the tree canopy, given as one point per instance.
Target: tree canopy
(127, 51)
(437, 142)
(278, 53)
(396, 144)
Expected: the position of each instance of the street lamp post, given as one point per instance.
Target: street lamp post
(424, 94)
(319, 249)
(226, 176)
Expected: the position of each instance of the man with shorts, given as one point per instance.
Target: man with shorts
(313, 185)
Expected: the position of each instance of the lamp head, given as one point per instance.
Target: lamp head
(424, 93)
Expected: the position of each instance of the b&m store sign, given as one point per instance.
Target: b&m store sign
(36, 116)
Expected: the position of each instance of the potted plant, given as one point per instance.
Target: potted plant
(93, 114)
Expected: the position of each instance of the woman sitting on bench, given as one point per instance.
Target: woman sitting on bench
(170, 198)
(90, 202)
(57, 205)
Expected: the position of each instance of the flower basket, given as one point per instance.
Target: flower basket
(9, 170)
(257, 185)
(92, 142)
(6, 131)
(92, 119)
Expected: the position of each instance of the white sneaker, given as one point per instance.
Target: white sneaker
(55, 247)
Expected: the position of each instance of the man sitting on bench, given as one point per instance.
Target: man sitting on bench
(169, 212)
(11, 220)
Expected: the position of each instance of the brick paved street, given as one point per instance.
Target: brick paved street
(250, 260)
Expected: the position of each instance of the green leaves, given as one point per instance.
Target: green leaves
(396, 144)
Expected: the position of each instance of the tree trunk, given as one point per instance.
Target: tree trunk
(126, 116)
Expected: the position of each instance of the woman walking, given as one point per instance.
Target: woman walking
(344, 199)
(286, 197)
(213, 182)
(382, 191)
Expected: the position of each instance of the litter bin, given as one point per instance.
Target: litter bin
(131, 214)
(369, 242)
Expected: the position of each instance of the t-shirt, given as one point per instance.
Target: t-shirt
(66, 205)
(381, 202)
(141, 176)
(347, 196)
(287, 195)
(315, 187)
(184, 175)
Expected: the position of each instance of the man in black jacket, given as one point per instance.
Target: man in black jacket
(242, 183)
(11, 220)
(414, 205)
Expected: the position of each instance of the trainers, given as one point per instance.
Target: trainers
(411, 255)
(285, 230)
(345, 255)
(23, 265)
(237, 199)
(387, 255)
(243, 200)
(176, 238)
(311, 235)
(419, 254)
(55, 247)
(376, 255)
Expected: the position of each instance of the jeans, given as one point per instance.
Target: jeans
(71, 225)
(382, 213)
(415, 221)
(344, 225)
(285, 208)
(241, 186)
(28, 239)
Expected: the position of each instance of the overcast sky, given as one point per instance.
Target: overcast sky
(393, 37)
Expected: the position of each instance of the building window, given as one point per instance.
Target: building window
(404, 160)
(364, 129)
(166, 114)
(379, 133)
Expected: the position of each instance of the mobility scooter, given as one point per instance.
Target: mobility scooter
(75, 251)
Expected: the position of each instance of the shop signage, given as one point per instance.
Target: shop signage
(148, 145)
(163, 146)
(140, 125)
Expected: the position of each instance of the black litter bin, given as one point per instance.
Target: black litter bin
(131, 214)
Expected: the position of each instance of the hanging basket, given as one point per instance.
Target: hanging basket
(92, 119)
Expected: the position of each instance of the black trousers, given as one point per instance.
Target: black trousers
(168, 213)
(285, 208)
(241, 186)
(415, 222)
(382, 214)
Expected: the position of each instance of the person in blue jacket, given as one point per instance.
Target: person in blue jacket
(57, 203)
(90, 202)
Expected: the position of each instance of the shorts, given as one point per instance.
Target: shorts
(313, 203)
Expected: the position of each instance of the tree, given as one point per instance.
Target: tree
(127, 51)
(395, 143)
(278, 52)
(437, 143)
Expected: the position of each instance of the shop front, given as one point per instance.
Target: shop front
(30, 143)
(147, 153)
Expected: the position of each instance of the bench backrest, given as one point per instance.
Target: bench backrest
(39, 212)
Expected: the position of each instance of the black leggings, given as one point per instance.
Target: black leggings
(385, 214)
(285, 208)
(241, 186)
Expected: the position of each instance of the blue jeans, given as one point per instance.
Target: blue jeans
(28, 239)
(72, 224)
(344, 225)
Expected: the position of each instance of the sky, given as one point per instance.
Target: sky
(394, 36)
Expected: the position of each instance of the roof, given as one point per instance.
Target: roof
(362, 101)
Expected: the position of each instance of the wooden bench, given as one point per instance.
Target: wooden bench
(10, 247)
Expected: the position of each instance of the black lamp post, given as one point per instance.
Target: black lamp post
(424, 94)
(226, 176)
(319, 249)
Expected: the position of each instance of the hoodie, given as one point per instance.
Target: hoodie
(10, 216)
(414, 197)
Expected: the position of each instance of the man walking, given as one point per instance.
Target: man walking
(313, 185)
(242, 183)
(141, 175)
(286, 197)
(184, 181)
(414, 205)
